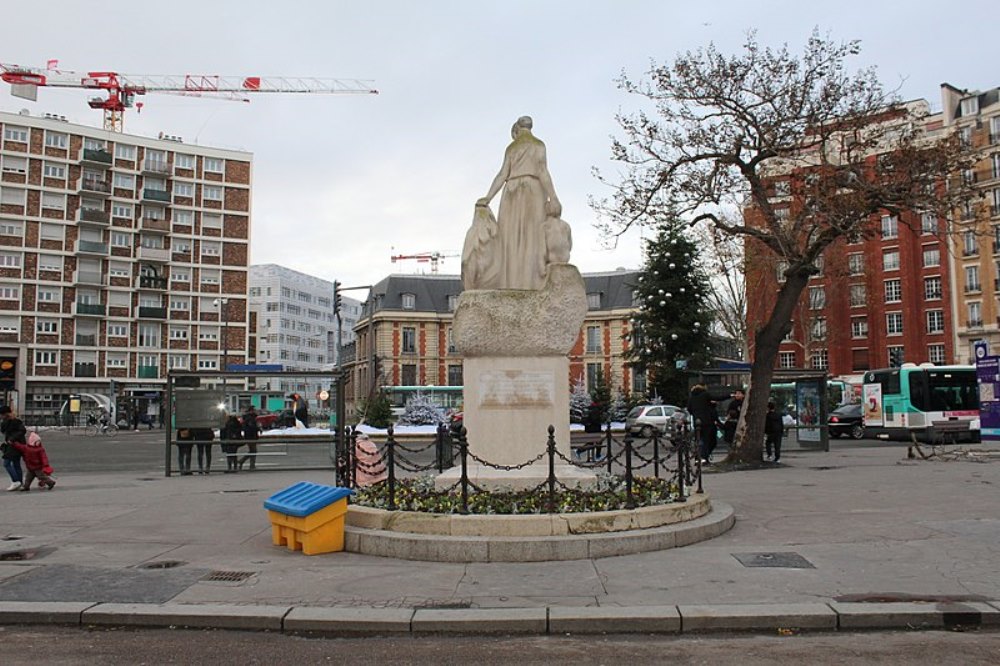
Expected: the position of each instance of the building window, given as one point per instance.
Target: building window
(51, 262)
(817, 298)
(928, 223)
(975, 312)
(10, 293)
(177, 333)
(594, 301)
(183, 217)
(409, 301)
(894, 323)
(51, 170)
(593, 371)
(593, 339)
(208, 364)
(969, 106)
(213, 165)
(932, 256)
(969, 244)
(972, 279)
(13, 195)
(782, 188)
(859, 327)
(211, 221)
(53, 201)
(454, 375)
(14, 164)
(780, 269)
(856, 263)
(124, 181)
(18, 134)
(182, 189)
(182, 303)
(211, 193)
(408, 374)
(116, 361)
(8, 228)
(859, 359)
(210, 249)
(121, 239)
(895, 356)
(9, 260)
(49, 295)
(932, 288)
(818, 329)
(117, 330)
(46, 357)
(890, 226)
(121, 210)
(935, 354)
(47, 326)
(452, 302)
(893, 291)
(786, 359)
(124, 151)
(56, 139)
(935, 321)
(639, 381)
(177, 361)
(409, 340)
(819, 360)
(890, 260)
(182, 161)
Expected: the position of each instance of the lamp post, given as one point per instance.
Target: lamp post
(222, 304)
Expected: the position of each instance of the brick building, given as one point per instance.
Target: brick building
(403, 337)
(121, 257)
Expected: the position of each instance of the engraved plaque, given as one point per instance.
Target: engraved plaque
(505, 389)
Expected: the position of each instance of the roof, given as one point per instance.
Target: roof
(431, 292)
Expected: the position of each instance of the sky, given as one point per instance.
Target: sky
(343, 182)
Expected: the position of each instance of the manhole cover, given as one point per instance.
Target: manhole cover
(228, 576)
(777, 560)
(163, 564)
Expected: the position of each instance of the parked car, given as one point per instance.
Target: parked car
(847, 420)
(644, 418)
(269, 420)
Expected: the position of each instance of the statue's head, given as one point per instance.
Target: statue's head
(523, 123)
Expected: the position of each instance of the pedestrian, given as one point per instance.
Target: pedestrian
(737, 401)
(11, 428)
(36, 461)
(701, 407)
(203, 438)
(135, 417)
(184, 445)
(774, 428)
(231, 435)
(300, 409)
(369, 464)
(251, 429)
(729, 426)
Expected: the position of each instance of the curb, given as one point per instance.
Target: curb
(680, 619)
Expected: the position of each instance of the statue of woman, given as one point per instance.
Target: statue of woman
(528, 199)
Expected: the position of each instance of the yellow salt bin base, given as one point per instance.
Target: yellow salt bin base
(319, 532)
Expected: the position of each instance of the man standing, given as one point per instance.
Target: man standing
(301, 409)
(701, 407)
(11, 428)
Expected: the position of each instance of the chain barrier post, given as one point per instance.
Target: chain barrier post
(656, 453)
(390, 446)
(463, 449)
(682, 460)
(552, 469)
(700, 488)
(629, 500)
(352, 459)
(607, 443)
(439, 446)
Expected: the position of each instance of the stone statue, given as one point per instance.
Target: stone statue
(528, 199)
(480, 255)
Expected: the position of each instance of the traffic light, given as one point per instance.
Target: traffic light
(336, 297)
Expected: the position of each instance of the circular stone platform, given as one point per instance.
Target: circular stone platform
(413, 535)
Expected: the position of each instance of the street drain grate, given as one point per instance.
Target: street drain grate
(18, 555)
(824, 468)
(227, 576)
(162, 564)
(239, 490)
(775, 560)
(446, 605)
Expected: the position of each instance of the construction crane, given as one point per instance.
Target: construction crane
(434, 258)
(120, 90)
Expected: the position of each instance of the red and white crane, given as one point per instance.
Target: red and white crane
(433, 258)
(120, 90)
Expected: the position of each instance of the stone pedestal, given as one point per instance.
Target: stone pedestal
(516, 376)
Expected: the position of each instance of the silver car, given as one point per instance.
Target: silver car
(644, 418)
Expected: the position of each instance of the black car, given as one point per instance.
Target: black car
(847, 420)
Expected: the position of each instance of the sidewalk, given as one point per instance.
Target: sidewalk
(851, 538)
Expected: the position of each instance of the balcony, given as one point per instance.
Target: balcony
(89, 340)
(150, 194)
(99, 157)
(94, 215)
(148, 372)
(95, 278)
(95, 185)
(152, 282)
(91, 247)
(974, 323)
(84, 369)
(89, 309)
(155, 224)
(973, 288)
(158, 167)
(152, 312)
(158, 254)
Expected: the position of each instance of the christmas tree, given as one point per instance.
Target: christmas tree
(377, 412)
(669, 334)
(579, 401)
(422, 410)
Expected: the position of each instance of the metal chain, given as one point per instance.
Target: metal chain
(507, 468)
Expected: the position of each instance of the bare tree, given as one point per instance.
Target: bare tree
(809, 152)
(725, 261)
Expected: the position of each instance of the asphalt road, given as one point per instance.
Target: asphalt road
(24, 646)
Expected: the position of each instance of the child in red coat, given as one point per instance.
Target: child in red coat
(36, 461)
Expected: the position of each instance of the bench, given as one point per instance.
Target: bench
(947, 432)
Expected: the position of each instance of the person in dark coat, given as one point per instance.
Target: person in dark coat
(203, 438)
(701, 407)
(185, 442)
(12, 429)
(251, 429)
(774, 428)
(301, 409)
(231, 435)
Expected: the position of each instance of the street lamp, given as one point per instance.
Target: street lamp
(221, 303)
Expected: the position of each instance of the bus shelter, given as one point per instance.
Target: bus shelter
(198, 404)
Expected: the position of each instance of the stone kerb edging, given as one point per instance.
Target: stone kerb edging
(534, 525)
(555, 620)
(545, 548)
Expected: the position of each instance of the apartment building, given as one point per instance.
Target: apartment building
(404, 336)
(296, 326)
(975, 251)
(121, 257)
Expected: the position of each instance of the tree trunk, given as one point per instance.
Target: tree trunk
(749, 442)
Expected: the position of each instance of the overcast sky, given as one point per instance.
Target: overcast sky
(342, 182)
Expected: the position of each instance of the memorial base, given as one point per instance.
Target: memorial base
(489, 478)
